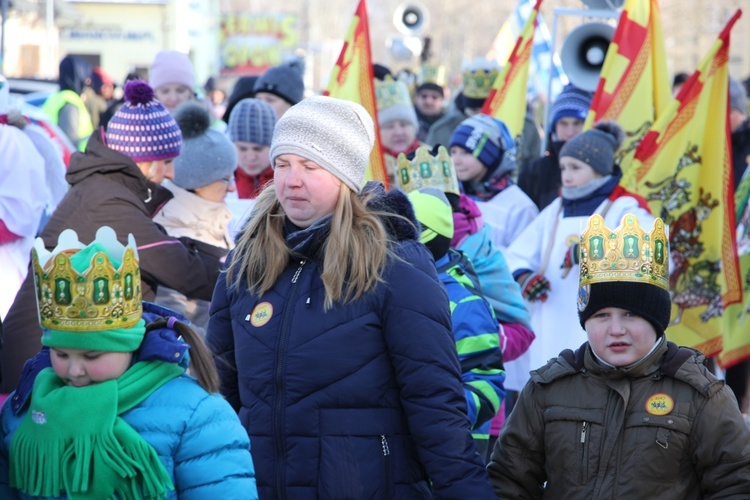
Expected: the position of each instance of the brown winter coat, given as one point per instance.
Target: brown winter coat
(595, 432)
(107, 188)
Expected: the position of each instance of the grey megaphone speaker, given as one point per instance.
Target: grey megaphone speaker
(410, 18)
(604, 4)
(583, 53)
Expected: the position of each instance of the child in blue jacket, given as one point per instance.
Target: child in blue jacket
(474, 325)
(106, 409)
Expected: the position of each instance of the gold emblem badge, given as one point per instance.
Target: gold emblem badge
(261, 314)
(659, 404)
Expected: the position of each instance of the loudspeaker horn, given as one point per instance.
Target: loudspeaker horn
(410, 18)
(583, 52)
(603, 4)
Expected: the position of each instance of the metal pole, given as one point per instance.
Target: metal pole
(4, 4)
(548, 104)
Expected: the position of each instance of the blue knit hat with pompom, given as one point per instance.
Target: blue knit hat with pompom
(142, 129)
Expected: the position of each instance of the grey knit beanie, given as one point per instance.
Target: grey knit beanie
(596, 147)
(336, 134)
(252, 120)
(737, 95)
(284, 80)
(207, 155)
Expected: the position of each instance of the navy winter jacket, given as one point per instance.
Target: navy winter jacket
(361, 401)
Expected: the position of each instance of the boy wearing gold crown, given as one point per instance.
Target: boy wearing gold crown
(628, 414)
(106, 409)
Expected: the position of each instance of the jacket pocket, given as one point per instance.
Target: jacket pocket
(658, 445)
(358, 452)
(572, 436)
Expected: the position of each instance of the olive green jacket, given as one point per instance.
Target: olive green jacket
(663, 428)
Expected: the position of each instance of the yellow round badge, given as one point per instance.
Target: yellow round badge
(261, 314)
(659, 404)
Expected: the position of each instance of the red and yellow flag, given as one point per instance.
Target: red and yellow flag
(634, 88)
(352, 79)
(507, 99)
(683, 167)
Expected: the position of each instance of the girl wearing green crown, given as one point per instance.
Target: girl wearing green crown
(628, 415)
(106, 409)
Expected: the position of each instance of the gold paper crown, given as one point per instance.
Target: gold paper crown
(627, 253)
(101, 297)
(390, 92)
(478, 78)
(429, 73)
(426, 170)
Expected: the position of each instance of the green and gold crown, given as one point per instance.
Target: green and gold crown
(426, 170)
(88, 288)
(432, 73)
(390, 92)
(627, 253)
(478, 78)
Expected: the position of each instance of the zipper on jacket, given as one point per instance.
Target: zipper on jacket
(279, 383)
(387, 465)
(584, 456)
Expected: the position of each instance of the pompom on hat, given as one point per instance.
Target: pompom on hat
(252, 120)
(173, 67)
(142, 129)
(336, 134)
(207, 155)
(596, 147)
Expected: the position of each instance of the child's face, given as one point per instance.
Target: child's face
(468, 167)
(252, 158)
(79, 367)
(576, 173)
(171, 95)
(618, 336)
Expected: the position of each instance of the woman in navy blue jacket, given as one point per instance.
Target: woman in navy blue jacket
(332, 334)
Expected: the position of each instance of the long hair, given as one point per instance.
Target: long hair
(201, 360)
(354, 253)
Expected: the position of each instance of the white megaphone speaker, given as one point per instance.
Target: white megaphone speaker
(410, 18)
(583, 52)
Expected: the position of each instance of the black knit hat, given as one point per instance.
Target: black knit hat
(650, 302)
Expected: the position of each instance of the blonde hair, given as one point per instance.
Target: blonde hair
(354, 253)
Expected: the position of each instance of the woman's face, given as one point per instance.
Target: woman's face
(171, 95)
(79, 367)
(306, 191)
(468, 167)
(252, 158)
(576, 173)
(157, 171)
(217, 190)
(398, 135)
(277, 103)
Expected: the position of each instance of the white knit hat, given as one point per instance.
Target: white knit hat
(336, 134)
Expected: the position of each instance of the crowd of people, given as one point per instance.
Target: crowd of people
(210, 300)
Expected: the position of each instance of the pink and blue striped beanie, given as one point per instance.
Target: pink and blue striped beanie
(142, 129)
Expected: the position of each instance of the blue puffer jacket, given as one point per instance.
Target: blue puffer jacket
(361, 401)
(195, 434)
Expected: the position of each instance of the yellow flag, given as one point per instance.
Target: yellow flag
(507, 99)
(683, 168)
(634, 88)
(352, 79)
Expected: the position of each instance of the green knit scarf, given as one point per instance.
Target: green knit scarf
(73, 442)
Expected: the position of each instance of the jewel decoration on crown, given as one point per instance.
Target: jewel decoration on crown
(478, 78)
(390, 92)
(627, 253)
(85, 288)
(429, 73)
(426, 170)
